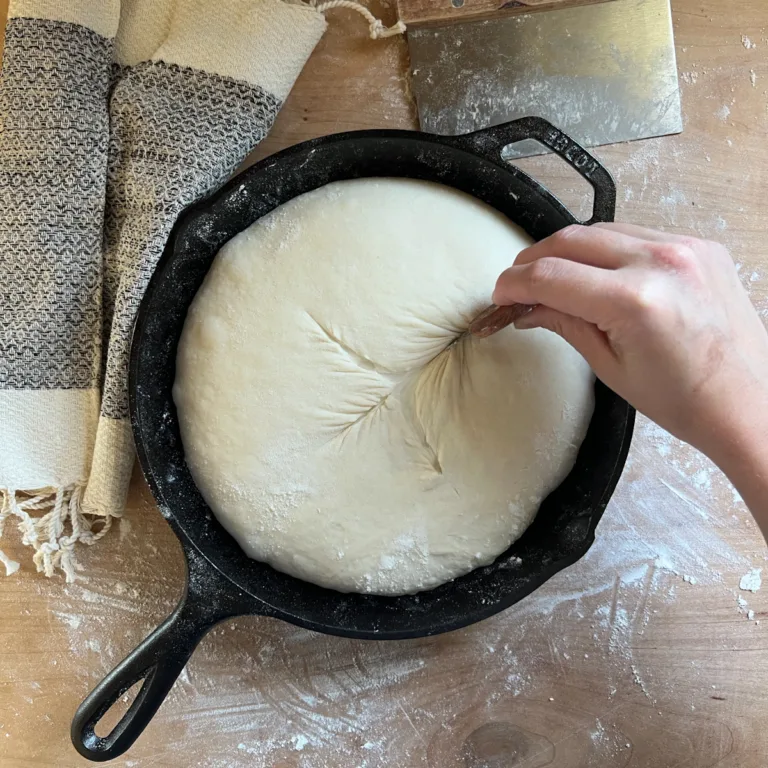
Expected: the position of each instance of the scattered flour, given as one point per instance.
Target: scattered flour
(11, 566)
(72, 620)
(125, 528)
(723, 113)
(299, 742)
(751, 581)
(674, 197)
(265, 693)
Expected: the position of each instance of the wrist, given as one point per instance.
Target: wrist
(739, 442)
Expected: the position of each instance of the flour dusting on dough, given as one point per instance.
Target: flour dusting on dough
(335, 414)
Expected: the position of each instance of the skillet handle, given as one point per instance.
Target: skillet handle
(489, 143)
(158, 661)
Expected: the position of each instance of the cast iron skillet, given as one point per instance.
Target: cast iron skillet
(223, 582)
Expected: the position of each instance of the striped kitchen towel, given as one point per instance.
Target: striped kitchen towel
(114, 115)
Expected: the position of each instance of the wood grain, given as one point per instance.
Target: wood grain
(433, 12)
(617, 662)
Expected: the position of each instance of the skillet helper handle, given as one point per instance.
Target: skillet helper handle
(489, 143)
(157, 662)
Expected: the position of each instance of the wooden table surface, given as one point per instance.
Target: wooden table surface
(645, 653)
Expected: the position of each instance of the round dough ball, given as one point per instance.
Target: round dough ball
(335, 416)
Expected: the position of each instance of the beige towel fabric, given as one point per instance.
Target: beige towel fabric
(54, 137)
(99, 153)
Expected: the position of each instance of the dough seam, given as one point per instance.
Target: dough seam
(356, 357)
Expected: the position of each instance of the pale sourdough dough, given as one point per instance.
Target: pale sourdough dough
(328, 417)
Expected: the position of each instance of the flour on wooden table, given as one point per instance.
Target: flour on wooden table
(261, 693)
(751, 581)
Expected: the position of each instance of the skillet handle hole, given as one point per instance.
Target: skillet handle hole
(561, 179)
(107, 723)
(508, 141)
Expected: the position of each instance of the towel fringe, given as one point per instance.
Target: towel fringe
(42, 520)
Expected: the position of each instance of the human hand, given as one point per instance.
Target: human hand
(662, 319)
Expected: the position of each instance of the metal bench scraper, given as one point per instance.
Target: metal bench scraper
(603, 72)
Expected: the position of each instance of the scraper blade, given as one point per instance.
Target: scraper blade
(602, 73)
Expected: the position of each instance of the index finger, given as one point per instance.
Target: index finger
(597, 246)
(580, 290)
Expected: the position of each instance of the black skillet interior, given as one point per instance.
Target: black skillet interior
(222, 580)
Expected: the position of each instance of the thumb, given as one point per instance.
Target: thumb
(585, 337)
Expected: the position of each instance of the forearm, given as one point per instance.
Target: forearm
(742, 454)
